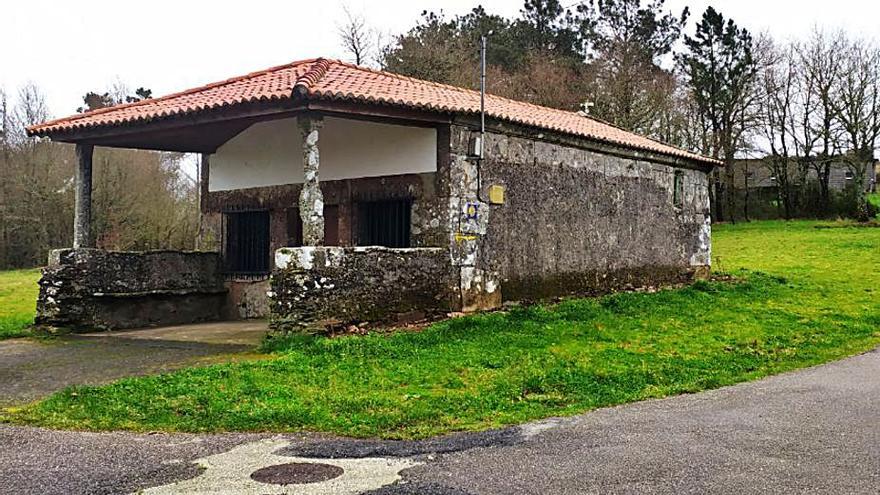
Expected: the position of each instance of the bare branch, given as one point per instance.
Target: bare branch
(357, 38)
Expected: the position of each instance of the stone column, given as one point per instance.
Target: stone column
(82, 219)
(204, 177)
(479, 283)
(311, 200)
(202, 242)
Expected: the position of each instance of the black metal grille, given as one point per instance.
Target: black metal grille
(385, 223)
(247, 243)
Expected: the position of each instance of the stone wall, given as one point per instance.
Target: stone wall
(466, 223)
(316, 287)
(246, 299)
(580, 221)
(92, 289)
(580, 217)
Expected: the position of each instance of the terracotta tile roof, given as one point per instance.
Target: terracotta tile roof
(324, 79)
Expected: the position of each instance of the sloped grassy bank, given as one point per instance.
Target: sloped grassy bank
(803, 296)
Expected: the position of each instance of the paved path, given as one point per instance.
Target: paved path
(812, 431)
(32, 368)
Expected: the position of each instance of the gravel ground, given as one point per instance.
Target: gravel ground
(811, 431)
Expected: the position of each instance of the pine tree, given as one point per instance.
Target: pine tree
(721, 72)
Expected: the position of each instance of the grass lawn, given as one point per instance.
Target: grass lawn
(804, 296)
(18, 300)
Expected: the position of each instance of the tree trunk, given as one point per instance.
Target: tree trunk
(730, 197)
(746, 191)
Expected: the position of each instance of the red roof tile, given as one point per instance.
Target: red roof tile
(323, 79)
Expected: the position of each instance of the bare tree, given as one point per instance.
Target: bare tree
(679, 120)
(30, 109)
(143, 200)
(820, 106)
(778, 84)
(4, 181)
(357, 38)
(856, 105)
(801, 123)
(4, 121)
(819, 59)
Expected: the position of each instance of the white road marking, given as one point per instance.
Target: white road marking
(534, 429)
(230, 473)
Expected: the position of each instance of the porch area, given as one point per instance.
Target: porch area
(308, 220)
(292, 163)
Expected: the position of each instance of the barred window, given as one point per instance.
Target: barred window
(384, 223)
(246, 250)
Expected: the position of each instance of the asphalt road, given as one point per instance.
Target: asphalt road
(31, 369)
(811, 431)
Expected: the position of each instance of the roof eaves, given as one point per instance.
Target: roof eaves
(70, 122)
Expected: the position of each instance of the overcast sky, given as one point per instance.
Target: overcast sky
(71, 47)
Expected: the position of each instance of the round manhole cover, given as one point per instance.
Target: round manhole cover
(296, 473)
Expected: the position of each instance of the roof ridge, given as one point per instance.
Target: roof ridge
(197, 89)
(312, 76)
(466, 90)
(503, 98)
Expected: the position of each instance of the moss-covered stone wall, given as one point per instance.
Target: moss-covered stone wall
(313, 288)
(577, 220)
(93, 289)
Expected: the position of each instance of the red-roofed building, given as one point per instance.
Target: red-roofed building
(349, 194)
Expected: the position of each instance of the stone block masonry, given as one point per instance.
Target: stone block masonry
(92, 289)
(576, 220)
(316, 287)
(581, 221)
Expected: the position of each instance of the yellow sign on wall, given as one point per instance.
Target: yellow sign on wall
(496, 194)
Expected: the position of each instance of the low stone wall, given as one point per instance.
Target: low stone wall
(89, 289)
(246, 299)
(313, 288)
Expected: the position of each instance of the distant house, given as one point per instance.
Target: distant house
(876, 175)
(335, 194)
(758, 174)
(760, 188)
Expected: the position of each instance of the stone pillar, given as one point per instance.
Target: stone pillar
(311, 200)
(480, 287)
(82, 218)
(207, 238)
(204, 177)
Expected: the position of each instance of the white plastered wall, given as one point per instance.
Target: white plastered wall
(270, 153)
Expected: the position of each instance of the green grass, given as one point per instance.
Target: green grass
(875, 200)
(803, 296)
(18, 300)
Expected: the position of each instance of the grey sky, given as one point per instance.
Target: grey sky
(68, 48)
